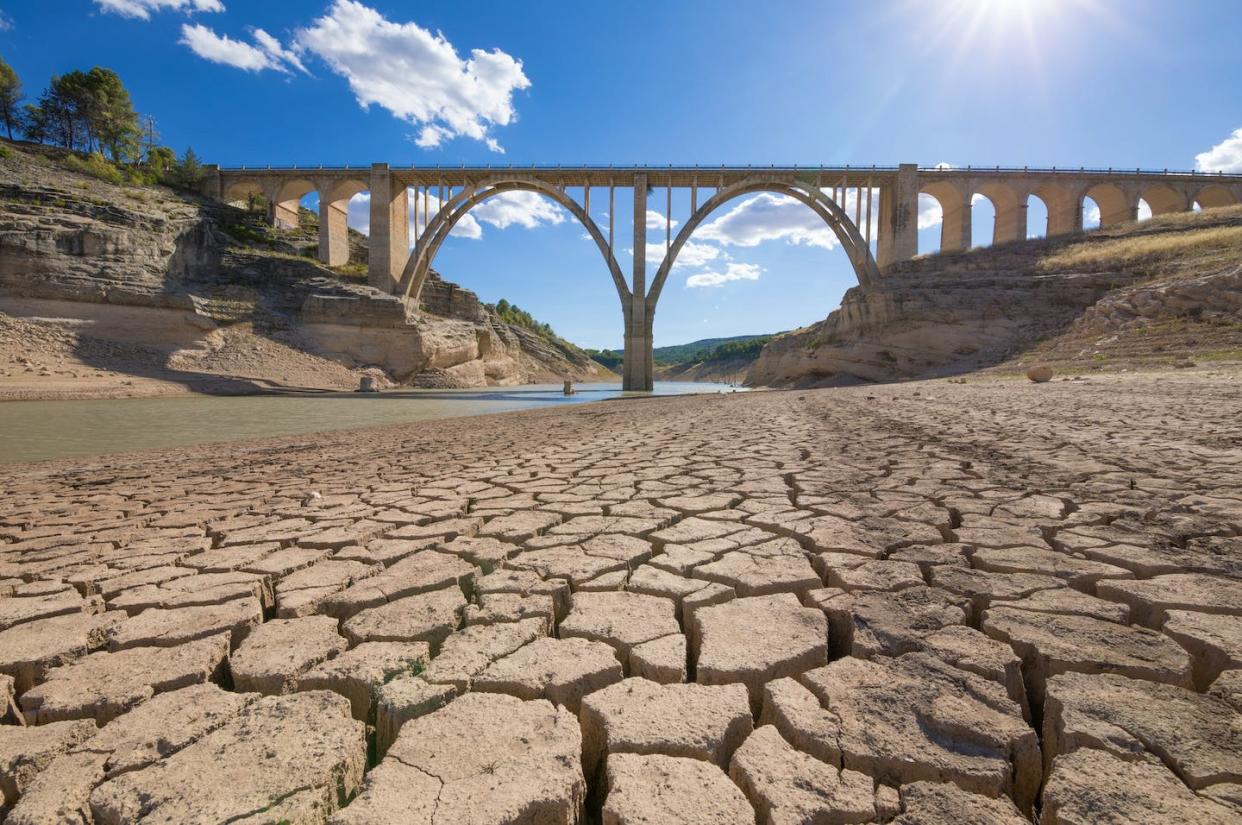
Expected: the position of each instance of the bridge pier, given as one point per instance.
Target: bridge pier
(639, 364)
(389, 244)
(898, 239)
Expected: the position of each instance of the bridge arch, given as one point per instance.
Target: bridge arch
(1064, 210)
(334, 198)
(1009, 221)
(418, 265)
(955, 223)
(284, 197)
(1164, 199)
(1116, 205)
(1215, 195)
(858, 250)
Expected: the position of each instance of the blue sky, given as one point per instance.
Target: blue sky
(1122, 83)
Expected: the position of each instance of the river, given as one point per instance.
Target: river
(39, 430)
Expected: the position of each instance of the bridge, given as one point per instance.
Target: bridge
(873, 212)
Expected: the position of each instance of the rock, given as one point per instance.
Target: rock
(1089, 786)
(301, 593)
(358, 673)
(294, 758)
(559, 670)
(403, 699)
(752, 572)
(639, 716)
(25, 752)
(29, 650)
(1081, 573)
(1213, 641)
(427, 617)
(166, 628)
(937, 803)
(873, 623)
(757, 639)
(9, 712)
(853, 573)
(787, 786)
(102, 686)
(276, 653)
(1198, 737)
(912, 719)
(62, 602)
(668, 790)
(1040, 374)
(482, 759)
(152, 731)
(1151, 599)
(661, 660)
(1228, 689)
(620, 619)
(422, 572)
(968, 649)
(1050, 645)
(468, 652)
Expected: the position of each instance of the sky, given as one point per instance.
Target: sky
(1120, 83)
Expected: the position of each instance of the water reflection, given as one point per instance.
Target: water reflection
(37, 430)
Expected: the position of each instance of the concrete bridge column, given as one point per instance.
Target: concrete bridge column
(956, 226)
(390, 229)
(1064, 218)
(333, 228)
(898, 239)
(1010, 223)
(639, 365)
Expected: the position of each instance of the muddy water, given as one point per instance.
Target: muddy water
(38, 430)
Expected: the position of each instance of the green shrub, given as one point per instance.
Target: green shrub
(5, 152)
(97, 166)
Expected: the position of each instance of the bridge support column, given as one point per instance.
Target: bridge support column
(1010, 224)
(955, 227)
(1064, 218)
(638, 367)
(333, 229)
(390, 229)
(898, 239)
(281, 214)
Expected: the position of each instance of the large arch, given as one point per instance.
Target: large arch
(1164, 199)
(827, 209)
(334, 197)
(1064, 210)
(284, 199)
(418, 265)
(1010, 221)
(1214, 195)
(1116, 206)
(955, 216)
(240, 191)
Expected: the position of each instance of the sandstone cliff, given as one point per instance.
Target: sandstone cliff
(1161, 292)
(142, 284)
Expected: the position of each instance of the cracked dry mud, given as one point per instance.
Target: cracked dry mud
(934, 603)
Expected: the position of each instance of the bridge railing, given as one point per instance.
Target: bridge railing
(547, 167)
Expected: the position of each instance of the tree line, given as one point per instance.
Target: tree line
(92, 113)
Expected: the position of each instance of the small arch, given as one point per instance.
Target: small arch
(243, 193)
(417, 266)
(1214, 196)
(813, 197)
(1009, 223)
(1164, 199)
(284, 199)
(1038, 217)
(955, 223)
(1064, 213)
(1115, 205)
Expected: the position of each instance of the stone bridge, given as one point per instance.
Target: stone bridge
(872, 211)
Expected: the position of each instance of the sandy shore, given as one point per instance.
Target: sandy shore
(925, 602)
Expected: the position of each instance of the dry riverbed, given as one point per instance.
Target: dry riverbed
(916, 603)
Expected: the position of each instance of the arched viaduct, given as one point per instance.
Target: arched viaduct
(872, 211)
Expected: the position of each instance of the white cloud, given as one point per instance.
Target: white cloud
(655, 220)
(767, 217)
(1144, 210)
(6, 25)
(527, 210)
(1225, 156)
(141, 9)
(930, 213)
(265, 53)
(733, 272)
(1091, 217)
(698, 254)
(415, 74)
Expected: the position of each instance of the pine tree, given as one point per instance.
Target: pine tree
(10, 96)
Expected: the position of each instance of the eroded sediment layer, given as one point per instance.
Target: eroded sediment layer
(924, 603)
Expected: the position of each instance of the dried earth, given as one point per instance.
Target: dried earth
(914, 603)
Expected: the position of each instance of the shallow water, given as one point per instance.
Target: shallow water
(38, 430)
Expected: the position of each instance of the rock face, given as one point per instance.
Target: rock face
(143, 277)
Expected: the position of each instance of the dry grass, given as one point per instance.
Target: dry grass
(1169, 245)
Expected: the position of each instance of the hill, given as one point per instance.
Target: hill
(1157, 293)
(113, 286)
(696, 350)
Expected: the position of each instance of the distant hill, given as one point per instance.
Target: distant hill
(696, 350)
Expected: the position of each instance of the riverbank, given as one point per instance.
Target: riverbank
(974, 577)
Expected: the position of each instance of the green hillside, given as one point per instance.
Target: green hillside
(697, 350)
